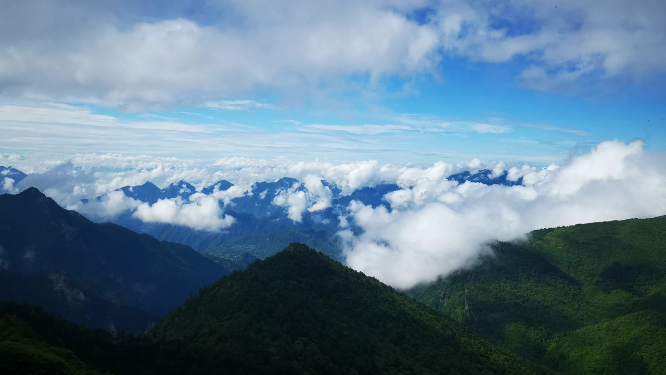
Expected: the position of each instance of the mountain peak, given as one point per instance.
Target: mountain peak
(31, 192)
(302, 312)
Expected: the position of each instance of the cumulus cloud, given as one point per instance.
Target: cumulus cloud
(203, 213)
(294, 200)
(64, 183)
(434, 230)
(178, 61)
(113, 60)
(348, 176)
(8, 185)
(573, 39)
(109, 206)
(314, 196)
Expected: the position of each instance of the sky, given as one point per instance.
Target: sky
(570, 95)
(394, 81)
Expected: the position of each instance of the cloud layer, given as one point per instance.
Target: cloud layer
(432, 226)
(89, 52)
(436, 227)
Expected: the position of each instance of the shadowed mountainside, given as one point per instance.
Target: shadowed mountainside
(66, 263)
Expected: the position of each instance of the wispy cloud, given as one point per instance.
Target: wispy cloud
(367, 129)
(238, 105)
(548, 127)
(493, 129)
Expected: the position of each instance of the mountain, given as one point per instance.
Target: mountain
(22, 353)
(202, 240)
(181, 189)
(301, 312)
(369, 196)
(263, 244)
(484, 176)
(221, 185)
(33, 341)
(57, 292)
(574, 298)
(40, 241)
(255, 212)
(297, 312)
(9, 177)
(259, 200)
(148, 192)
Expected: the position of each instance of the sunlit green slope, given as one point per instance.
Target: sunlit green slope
(531, 294)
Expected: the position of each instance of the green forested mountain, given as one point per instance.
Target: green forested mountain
(301, 312)
(585, 299)
(21, 352)
(265, 243)
(295, 313)
(97, 274)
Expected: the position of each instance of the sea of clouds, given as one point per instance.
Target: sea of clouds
(432, 227)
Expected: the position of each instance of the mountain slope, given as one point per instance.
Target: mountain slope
(531, 294)
(105, 260)
(301, 312)
(58, 293)
(631, 344)
(22, 353)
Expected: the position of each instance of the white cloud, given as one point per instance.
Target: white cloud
(177, 61)
(203, 213)
(238, 105)
(367, 129)
(437, 228)
(487, 128)
(84, 52)
(294, 200)
(11, 158)
(573, 39)
(109, 206)
(8, 185)
(64, 114)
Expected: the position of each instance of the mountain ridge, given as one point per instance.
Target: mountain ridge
(105, 261)
(299, 305)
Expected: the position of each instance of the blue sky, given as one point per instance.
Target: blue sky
(400, 82)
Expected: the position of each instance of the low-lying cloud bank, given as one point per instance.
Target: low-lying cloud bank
(435, 228)
(430, 227)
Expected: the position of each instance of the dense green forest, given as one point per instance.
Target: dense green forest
(298, 312)
(301, 312)
(585, 299)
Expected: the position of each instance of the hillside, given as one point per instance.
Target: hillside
(538, 297)
(301, 312)
(22, 353)
(63, 259)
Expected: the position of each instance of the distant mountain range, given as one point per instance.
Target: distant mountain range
(485, 176)
(255, 213)
(99, 274)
